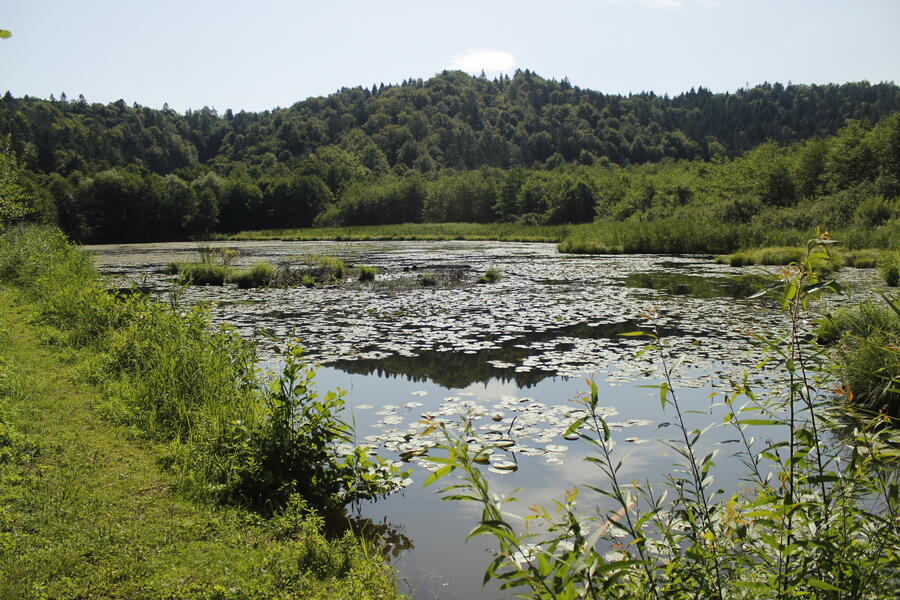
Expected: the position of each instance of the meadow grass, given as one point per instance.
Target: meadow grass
(682, 236)
(173, 377)
(87, 512)
(862, 259)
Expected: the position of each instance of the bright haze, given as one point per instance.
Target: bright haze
(259, 55)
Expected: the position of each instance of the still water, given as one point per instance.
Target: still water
(508, 356)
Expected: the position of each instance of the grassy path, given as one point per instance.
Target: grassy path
(86, 511)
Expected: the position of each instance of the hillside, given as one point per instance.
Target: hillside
(401, 153)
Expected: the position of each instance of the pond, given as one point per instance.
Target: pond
(510, 356)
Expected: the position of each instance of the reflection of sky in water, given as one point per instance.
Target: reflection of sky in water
(440, 562)
(551, 321)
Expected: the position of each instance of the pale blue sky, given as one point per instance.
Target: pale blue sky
(267, 53)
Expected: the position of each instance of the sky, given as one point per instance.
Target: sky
(267, 53)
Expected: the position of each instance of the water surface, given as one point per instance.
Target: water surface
(508, 356)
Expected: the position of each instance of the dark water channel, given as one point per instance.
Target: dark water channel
(509, 356)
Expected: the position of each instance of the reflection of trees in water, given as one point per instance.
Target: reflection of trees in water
(385, 536)
(457, 370)
(449, 369)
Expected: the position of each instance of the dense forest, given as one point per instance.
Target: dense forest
(461, 148)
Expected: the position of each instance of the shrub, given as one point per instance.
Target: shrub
(876, 210)
(428, 280)
(295, 448)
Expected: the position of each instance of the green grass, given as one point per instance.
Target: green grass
(257, 275)
(890, 269)
(662, 236)
(87, 512)
(785, 255)
(174, 378)
(492, 275)
(201, 273)
(509, 232)
(866, 354)
(326, 267)
(367, 273)
(861, 259)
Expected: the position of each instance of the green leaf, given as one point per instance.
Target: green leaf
(774, 286)
(815, 287)
(438, 474)
(891, 304)
(4, 33)
(758, 422)
(822, 585)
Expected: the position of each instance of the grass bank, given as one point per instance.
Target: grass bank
(504, 232)
(663, 236)
(87, 512)
(148, 382)
(674, 236)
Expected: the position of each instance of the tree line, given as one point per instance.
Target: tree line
(453, 148)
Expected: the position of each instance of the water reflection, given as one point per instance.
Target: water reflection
(453, 369)
(387, 537)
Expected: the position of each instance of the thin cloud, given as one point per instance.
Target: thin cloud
(476, 61)
(667, 4)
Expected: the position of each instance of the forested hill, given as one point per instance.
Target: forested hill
(452, 120)
(456, 148)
